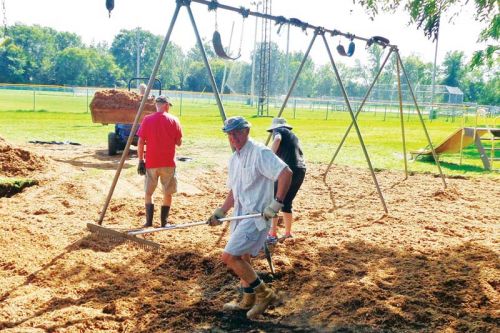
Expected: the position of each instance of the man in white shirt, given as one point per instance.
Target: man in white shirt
(253, 169)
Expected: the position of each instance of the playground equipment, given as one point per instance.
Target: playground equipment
(466, 136)
(217, 40)
(318, 31)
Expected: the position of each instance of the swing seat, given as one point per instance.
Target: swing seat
(219, 49)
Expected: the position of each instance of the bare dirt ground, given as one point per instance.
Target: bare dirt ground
(431, 264)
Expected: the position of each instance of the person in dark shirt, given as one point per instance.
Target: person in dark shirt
(287, 147)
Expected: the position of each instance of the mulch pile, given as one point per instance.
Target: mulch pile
(431, 264)
(17, 162)
(117, 99)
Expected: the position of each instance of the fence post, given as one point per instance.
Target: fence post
(294, 107)
(34, 102)
(180, 111)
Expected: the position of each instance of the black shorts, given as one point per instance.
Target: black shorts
(297, 179)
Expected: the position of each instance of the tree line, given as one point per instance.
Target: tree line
(42, 55)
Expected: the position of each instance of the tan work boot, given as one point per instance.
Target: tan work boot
(245, 303)
(264, 296)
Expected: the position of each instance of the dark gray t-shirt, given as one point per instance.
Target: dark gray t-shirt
(289, 150)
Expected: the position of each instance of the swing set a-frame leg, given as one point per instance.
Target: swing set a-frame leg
(355, 123)
(357, 113)
(400, 62)
(400, 96)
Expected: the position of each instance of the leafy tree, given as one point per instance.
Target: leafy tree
(325, 81)
(64, 40)
(197, 78)
(71, 66)
(305, 83)
(172, 71)
(194, 53)
(419, 72)
(12, 63)
(239, 77)
(426, 15)
(453, 68)
(124, 49)
(481, 88)
(103, 71)
(38, 45)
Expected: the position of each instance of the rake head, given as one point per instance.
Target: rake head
(117, 236)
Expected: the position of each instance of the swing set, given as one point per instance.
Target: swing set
(304, 26)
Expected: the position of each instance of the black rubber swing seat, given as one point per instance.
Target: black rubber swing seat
(219, 49)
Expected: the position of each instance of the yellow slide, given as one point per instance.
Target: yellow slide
(454, 143)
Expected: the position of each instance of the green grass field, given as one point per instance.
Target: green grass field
(46, 116)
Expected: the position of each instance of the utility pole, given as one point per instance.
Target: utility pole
(138, 57)
(287, 64)
(433, 113)
(265, 62)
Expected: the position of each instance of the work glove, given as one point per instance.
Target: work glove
(272, 210)
(214, 219)
(141, 168)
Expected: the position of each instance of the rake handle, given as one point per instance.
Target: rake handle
(187, 225)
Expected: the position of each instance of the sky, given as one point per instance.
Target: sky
(90, 20)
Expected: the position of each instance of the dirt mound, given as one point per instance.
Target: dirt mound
(17, 162)
(117, 99)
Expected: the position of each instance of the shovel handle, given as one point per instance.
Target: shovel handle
(187, 225)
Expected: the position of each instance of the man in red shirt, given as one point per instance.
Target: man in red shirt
(160, 132)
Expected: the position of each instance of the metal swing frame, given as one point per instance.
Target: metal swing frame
(303, 25)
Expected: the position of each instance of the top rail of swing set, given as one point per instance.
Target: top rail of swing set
(213, 4)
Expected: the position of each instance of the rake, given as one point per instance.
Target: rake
(131, 235)
(118, 236)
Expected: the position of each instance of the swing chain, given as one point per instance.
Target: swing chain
(4, 12)
(212, 6)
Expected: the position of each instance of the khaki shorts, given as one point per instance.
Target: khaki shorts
(245, 238)
(167, 178)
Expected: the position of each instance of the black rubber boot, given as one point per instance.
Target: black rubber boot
(150, 209)
(164, 215)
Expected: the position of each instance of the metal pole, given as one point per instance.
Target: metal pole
(207, 65)
(353, 118)
(139, 112)
(87, 105)
(292, 86)
(138, 57)
(254, 57)
(287, 63)
(357, 112)
(180, 107)
(279, 19)
(431, 113)
(421, 120)
(402, 120)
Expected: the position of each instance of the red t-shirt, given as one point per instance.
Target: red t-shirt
(160, 132)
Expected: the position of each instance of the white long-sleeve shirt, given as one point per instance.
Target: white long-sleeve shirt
(252, 173)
